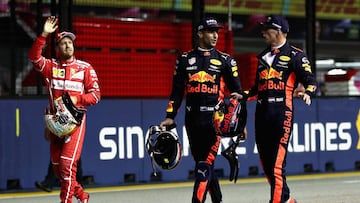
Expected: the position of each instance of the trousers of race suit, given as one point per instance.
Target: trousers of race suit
(204, 144)
(65, 154)
(273, 126)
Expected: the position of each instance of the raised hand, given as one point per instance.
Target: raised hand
(50, 26)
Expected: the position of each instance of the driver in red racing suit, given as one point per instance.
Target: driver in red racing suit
(202, 74)
(79, 79)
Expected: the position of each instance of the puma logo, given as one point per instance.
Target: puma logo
(202, 172)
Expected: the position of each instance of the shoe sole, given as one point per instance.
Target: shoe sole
(41, 187)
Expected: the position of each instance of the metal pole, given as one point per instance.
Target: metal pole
(229, 35)
(311, 33)
(53, 37)
(197, 15)
(13, 55)
(65, 15)
(39, 27)
(229, 16)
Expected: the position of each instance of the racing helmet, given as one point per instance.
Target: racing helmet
(66, 118)
(164, 148)
(230, 117)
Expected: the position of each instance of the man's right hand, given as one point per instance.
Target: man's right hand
(50, 26)
(166, 122)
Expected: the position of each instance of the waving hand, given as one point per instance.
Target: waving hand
(50, 26)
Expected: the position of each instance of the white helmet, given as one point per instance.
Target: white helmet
(164, 148)
(66, 118)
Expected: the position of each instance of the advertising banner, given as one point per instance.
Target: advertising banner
(325, 138)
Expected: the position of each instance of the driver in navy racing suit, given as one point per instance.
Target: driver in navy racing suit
(280, 68)
(202, 74)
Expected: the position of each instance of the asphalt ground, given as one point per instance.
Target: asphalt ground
(310, 188)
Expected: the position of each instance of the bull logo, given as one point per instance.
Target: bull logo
(201, 77)
(271, 74)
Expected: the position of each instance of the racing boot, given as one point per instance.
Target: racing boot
(84, 198)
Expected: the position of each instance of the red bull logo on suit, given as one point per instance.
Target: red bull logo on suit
(201, 77)
(271, 74)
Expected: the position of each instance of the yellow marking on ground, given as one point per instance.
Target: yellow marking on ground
(149, 186)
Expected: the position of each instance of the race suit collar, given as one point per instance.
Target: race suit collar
(204, 52)
(276, 49)
(269, 49)
(67, 63)
(279, 46)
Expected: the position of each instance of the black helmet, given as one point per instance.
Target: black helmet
(230, 117)
(164, 148)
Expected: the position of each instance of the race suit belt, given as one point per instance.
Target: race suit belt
(200, 108)
(270, 100)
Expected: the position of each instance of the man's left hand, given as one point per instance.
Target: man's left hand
(306, 98)
(300, 92)
(236, 95)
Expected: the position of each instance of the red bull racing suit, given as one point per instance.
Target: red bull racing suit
(79, 79)
(274, 87)
(202, 75)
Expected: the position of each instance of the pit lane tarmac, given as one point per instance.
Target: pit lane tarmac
(320, 188)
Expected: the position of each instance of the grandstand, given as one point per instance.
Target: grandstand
(142, 38)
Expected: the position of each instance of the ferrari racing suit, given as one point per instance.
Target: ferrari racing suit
(274, 86)
(79, 79)
(203, 75)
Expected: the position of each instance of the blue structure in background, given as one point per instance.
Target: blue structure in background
(326, 134)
